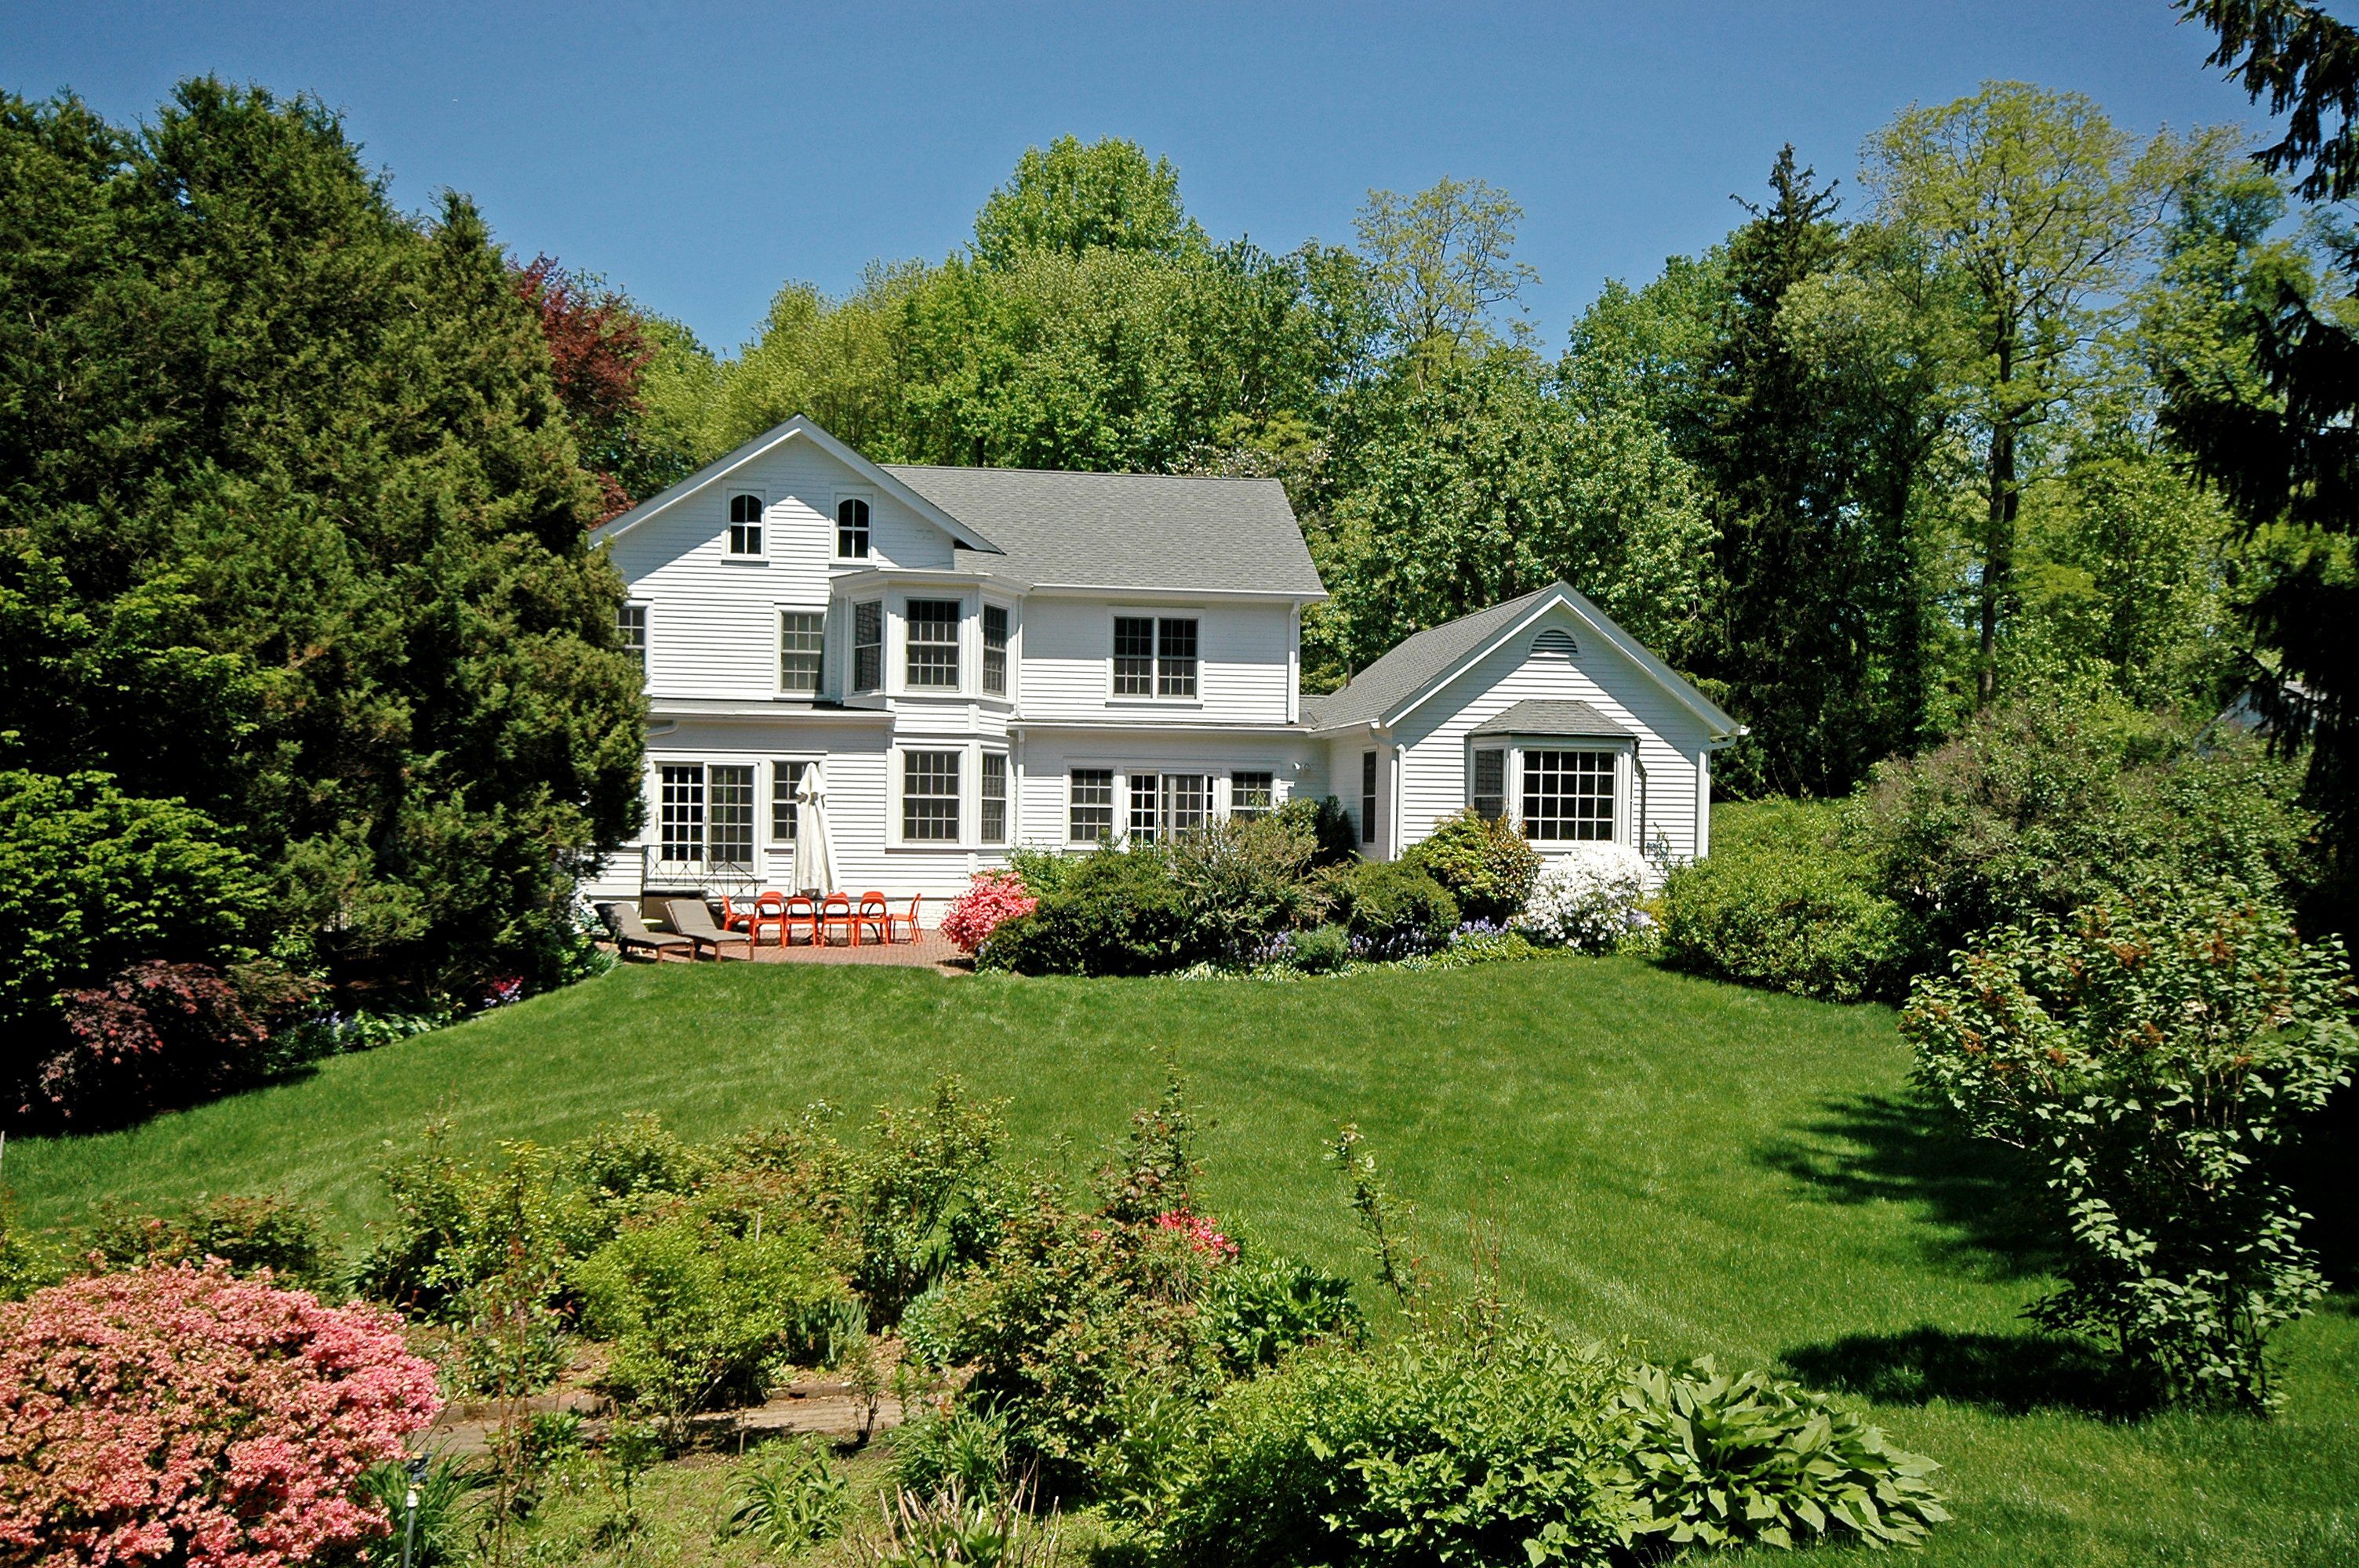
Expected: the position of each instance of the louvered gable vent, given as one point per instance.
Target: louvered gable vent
(1555, 642)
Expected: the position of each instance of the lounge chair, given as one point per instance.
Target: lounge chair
(632, 933)
(693, 919)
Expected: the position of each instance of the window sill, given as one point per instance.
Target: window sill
(1179, 703)
(745, 560)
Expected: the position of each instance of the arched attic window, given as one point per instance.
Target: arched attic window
(851, 528)
(1555, 643)
(745, 525)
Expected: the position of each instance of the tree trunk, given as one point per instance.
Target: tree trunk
(1999, 541)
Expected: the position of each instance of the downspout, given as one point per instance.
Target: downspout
(1638, 765)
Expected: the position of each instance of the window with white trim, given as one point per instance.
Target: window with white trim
(933, 650)
(992, 804)
(680, 812)
(994, 649)
(930, 796)
(1489, 792)
(1252, 795)
(1568, 796)
(802, 642)
(868, 645)
(1088, 812)
(631, 631)
(1163, 805)
(786, 811)
(851, 529)
(1154, 655)
(1368, 797)
(745, 525)
(705, 814)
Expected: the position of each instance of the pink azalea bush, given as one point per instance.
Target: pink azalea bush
(992, 898)
(1201, 1232)
(180, 1415)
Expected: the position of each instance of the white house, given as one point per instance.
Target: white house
(975, 658)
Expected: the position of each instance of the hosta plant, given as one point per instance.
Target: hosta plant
(1719, 1461)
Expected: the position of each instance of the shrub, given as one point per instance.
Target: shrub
(787, 1497)
(1261, 1310)
(27, 1261)
(1240, 881)
(2154, 1054)
(1396, 907)
(458, 1223)
(1586, 898)
(1781, 905)
(248, 1234)
(1117, 914)
(1479, 942)
(1718, 1462)
(695, 1314)
(1321, 950)
(1482, 1440)
(1334, 840)
(992, 897)
(159, 1034)
(443, 1527)
(175, 1415)
(1485, 863)
(924, 1195)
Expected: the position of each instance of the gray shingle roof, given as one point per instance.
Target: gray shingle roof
(1537, 716)
(1125, 530)
(1413, 662)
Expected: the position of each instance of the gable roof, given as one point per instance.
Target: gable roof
(1137, 531)
(1537, 716)
(1422, 663)
(801, 427)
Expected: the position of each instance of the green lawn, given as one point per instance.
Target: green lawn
(1696, 1167)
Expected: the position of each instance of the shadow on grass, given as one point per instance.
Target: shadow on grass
(1975, 1198)
(2010, 1373)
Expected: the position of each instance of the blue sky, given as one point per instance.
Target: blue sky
(699, 154)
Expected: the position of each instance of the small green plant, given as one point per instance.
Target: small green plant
(1397, 908)
(1718, 1461)
(27, 1261)
(249, 1234)
(447, 1494)
(787, 1497)
(1488, 865)
(1259, 1311)
(951, 1529)
(1321, 950)
(1384, 1217)
(965, 1447)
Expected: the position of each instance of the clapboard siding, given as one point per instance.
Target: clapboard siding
(1048, 760)
(1244, 654)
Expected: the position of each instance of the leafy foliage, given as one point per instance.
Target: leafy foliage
(1485, 863)
(991, 898)
(248, 1234)
(1259, 1311)
(787, 1497)
(1396, 906)
(168, 1413)
(1117, 913)
(1719, 1461)
(2155, 1055)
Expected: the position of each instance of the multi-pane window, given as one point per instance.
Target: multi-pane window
(1154, 655)
(745, 525)
(1163, 805)
(1490, 791)
(631, 631)
(1252, 795)
(1175, 657)
(1134, 656)
(786, 815)
(868, 645)
(1146, 796)
(682, 812)
(994, 649)
(1368, 797)
(802, 639)
(1088, 818)
(729, 824)
(851, 528)
(930, 796)
(1568, 794)
(934, 643)
(993, 803)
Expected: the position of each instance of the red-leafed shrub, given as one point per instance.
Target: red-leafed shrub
(158, 1033)
(183, 1416)
(993, 897)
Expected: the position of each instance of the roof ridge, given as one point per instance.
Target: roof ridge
(1089, 474)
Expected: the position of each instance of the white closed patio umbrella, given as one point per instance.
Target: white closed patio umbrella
(814, 852)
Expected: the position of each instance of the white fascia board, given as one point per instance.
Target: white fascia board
(663, 710)
(1724, 728)
(804, 426)
(1109, 591)
(1162, 726)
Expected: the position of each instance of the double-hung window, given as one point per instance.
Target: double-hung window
(850, 529)
(745, 525)
(930, 796)
(992, 806)
(1163, 805)
(1089, 815)
(1568, 795)
(1252, 795)
(786, 813)
(1368, 797)
(934, 644)
(681, 812)
(868, 645)
(802, 639)
(631, 631)
(994, 649)
(705, 814)
(1490, 791)
(1154, 655)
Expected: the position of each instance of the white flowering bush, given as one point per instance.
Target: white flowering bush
(1586, 898)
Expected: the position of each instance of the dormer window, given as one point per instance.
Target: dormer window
(851, 529)
(745, 525)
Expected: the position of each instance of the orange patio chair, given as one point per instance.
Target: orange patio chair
(803, 910)
(769, 909)
(904, 926)
(836, 910)
(872, 914)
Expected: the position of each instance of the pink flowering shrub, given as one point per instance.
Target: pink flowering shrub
(180, 1415)
(1202, 1234)
(993, 897)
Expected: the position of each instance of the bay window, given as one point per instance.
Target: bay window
(1568, 795)
(868, 645)
(992, 802)
(933, 650)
